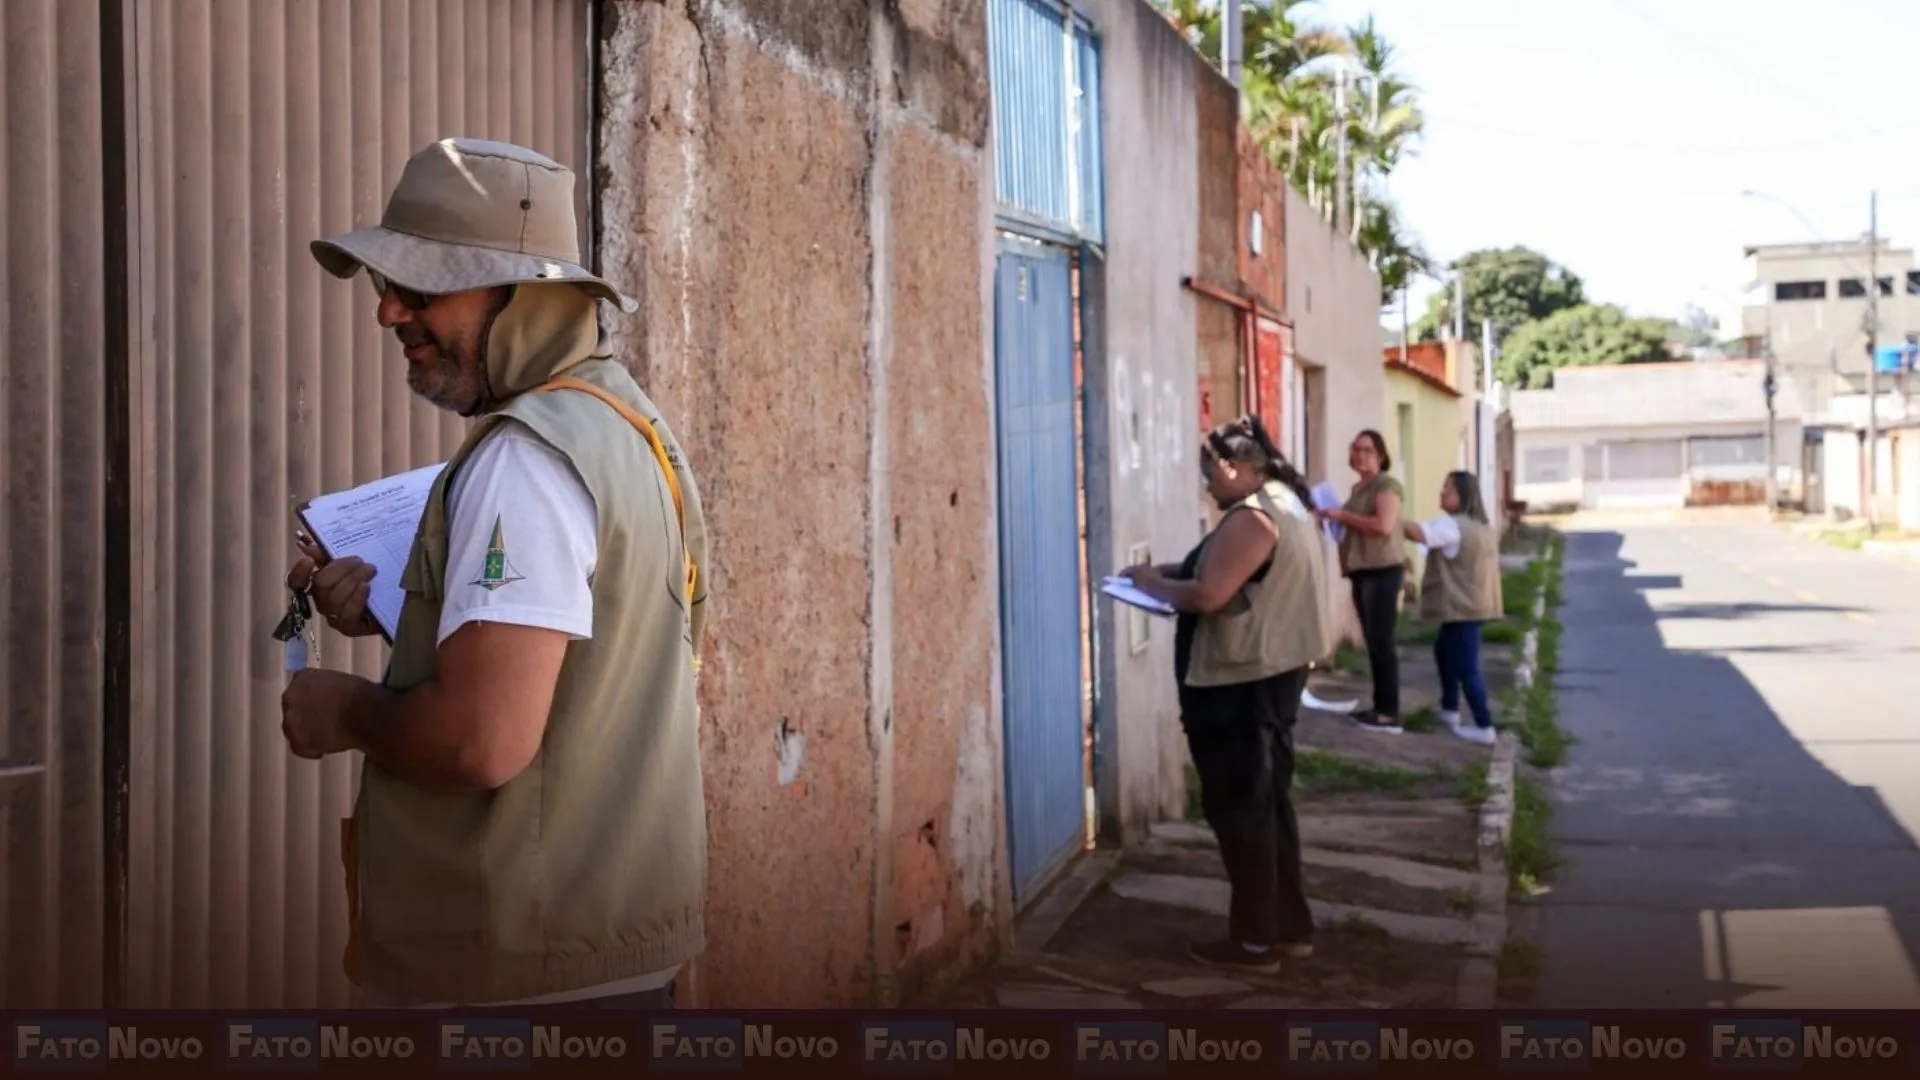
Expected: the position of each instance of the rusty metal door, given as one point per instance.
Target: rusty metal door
(259, 381)
(63, 662)
(178, 374)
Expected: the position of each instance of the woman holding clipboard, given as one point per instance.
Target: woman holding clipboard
(1251, 609)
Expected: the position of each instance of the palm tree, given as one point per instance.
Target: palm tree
(1288, 102)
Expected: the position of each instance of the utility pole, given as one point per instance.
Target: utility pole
(1340, 152)
(1771, 384)
(1460, 305)
(1492, 488)
(1873, 362)
(1232, 52)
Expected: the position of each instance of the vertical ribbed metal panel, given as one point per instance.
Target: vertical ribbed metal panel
(1091, 207)
(1027, 61)
(1039, 561)
(53, 437)
(260, 125)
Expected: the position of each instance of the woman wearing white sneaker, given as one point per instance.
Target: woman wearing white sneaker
(1460, 591)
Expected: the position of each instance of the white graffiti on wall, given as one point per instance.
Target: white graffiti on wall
(1154, 433)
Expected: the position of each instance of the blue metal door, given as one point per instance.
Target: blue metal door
(1039, 562)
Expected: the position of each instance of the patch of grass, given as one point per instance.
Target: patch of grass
(1349, 659)
(1851, 540)
(1531, 860)
(1421, 721)
(1503, 632)
(1518, 959)
(1194, 812)
(1317, 772)
(1414, 632)
(1517, 590)
(1531, 716)
(1473, 785)
(1359, 926)
(1463, 903)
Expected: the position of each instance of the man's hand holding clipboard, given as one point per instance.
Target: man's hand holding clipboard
(340, 587)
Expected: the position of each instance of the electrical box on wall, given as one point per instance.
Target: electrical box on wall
(1139, 623)
(1255, 228)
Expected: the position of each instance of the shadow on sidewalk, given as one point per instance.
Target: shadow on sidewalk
(1710, 857)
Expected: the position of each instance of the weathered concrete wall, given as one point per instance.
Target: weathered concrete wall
(1334, 299)
(1143, 467)
(1262, 190)
(1219, 327)
(795, 193)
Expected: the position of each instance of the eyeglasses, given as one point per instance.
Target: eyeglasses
(411, 299)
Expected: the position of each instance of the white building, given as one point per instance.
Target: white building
(1688, 433)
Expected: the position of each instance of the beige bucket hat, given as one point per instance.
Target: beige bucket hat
(472, 214)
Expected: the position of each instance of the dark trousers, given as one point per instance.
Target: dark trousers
(1241, 738)
(1376, 597)
(1456, 652)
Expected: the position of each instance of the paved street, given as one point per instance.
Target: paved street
(1737, 821)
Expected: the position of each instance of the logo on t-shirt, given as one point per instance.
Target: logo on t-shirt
(498, 573)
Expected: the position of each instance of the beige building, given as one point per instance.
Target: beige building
(1652, 436)
(1810, 302)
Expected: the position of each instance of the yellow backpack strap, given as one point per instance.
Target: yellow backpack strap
(641, 425)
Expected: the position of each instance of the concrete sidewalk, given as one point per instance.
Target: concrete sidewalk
(1397, 875)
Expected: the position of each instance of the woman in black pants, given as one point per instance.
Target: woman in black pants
(1372, 556)
(1252, 603)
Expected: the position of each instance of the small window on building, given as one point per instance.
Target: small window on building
(1855, 288)
(1913, 283)
(1547, 465)
(1800, 290)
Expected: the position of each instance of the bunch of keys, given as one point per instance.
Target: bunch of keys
(296, 632)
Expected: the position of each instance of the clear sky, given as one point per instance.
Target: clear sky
(1617, 136)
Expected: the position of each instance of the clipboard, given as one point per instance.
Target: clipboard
(377, 523)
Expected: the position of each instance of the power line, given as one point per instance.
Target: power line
(1629, 144)
(1795, 93)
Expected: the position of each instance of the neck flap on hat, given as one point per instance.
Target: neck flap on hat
(544, 330)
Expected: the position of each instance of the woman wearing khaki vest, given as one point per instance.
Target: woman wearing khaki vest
(1252, 603)
(1461, 592)
(1372, 558)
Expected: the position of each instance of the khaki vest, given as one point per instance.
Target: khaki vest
(1359, 551)
(1279, 623)
(1465, 588)
(590, 866)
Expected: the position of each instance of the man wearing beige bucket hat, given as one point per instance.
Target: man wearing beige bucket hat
(531, 826)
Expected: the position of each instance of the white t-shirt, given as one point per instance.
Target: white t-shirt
(523, 537)
(1443, 533)
(521, 496)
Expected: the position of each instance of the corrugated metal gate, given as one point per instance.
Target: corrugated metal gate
(1044, 64)
(167, 163)
(1039, 560)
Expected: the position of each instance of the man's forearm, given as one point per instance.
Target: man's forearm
(411, 734)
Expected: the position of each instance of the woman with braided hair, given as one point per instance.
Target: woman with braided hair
(1252, 614)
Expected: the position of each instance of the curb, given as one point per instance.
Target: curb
(1477, 985)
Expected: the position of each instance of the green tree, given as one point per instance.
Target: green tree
(1289, 104)
(1511, 286)
(1587, 335)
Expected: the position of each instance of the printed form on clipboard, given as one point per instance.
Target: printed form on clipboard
(376, 523)
(1127, 593)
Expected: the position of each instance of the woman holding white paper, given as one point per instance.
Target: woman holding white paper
(1461, 592)
(1252, 614)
